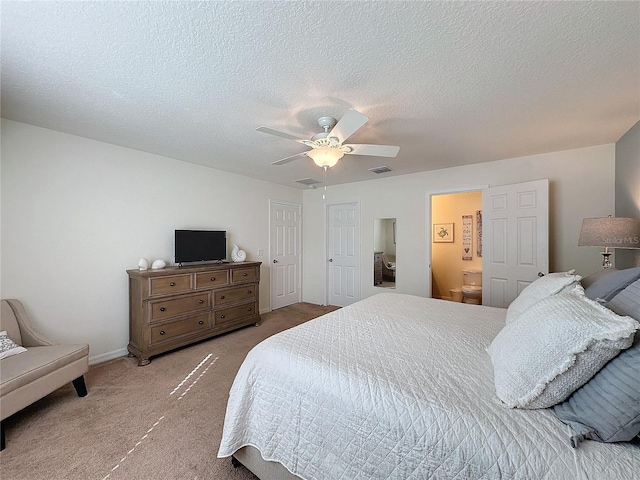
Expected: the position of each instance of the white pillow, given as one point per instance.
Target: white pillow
(540, 288)
(8, 347)
(555, 347)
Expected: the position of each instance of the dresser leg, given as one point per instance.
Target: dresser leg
(143, 361)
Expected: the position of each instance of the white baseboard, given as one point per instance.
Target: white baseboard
(108, 356)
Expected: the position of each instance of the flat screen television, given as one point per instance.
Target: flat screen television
(200, 246)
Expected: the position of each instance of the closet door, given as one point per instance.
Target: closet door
(515, 231)
(343, 253)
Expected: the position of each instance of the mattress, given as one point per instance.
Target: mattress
(400, 387)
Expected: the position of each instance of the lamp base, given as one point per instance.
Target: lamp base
(606, 262)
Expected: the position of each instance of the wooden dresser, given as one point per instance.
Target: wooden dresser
(173, 307)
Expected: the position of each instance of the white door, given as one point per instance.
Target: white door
(284, 253)
(343, 253)
(515, 230)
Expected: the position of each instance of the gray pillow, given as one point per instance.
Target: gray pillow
(608, 285)
(607, 407)
(594, 277)
(627, 302)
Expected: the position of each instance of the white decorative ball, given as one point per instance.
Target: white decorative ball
(143, 264)
(158, 264)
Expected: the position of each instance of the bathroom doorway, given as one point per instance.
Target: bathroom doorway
(456, 247)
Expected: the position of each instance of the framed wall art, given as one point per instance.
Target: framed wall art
(443, 232)
(467, 232)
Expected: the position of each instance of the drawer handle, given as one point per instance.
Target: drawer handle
(200, 322)
(249, 309)
(213, 279)
(201, 302)
(221, 297)
(172, 284)
(248, 291)
(245, 274)
(162, 309)
(221, 316)
(161, 332)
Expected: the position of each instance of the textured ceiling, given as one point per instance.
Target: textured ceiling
(451, 83)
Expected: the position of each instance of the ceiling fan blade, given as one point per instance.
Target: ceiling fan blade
(348, 125)
(278, 133)
(289, 159)
(374, 150)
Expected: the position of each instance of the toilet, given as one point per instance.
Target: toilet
(472, 286)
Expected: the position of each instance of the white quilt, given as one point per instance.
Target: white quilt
(400, 387)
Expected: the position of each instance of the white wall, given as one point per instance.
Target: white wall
(628, 190)
(76, 213)
(581, 185)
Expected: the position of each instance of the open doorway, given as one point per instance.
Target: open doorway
(456, 247)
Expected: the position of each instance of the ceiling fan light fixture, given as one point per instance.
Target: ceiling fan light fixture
(325, 157)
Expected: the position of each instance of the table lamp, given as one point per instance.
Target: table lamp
(610, 232)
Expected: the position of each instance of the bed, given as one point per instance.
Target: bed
(397, 387)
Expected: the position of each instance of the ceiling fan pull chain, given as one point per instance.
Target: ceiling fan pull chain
(324, 180)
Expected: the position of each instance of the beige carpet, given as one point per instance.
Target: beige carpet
(138, 423)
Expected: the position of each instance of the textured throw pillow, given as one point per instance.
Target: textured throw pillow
(627, 302)
(8, 347)
(554, 347)
(609, 285)
(541, 288)
(607, 407)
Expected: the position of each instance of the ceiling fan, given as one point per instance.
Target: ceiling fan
(328, 147)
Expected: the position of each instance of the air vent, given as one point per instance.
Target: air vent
(307, 181)
(379, 170)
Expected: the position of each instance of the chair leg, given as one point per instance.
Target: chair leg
(2, 444)
(80, 386)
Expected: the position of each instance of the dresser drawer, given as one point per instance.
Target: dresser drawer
(169, 331)
(161, 309)
(170, 284)
(244, 274)
(237, 294)
(212, 279)
(234, 313)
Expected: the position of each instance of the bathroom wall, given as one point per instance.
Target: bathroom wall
(446, 260)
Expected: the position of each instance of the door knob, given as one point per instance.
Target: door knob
(275, 261)
(331, 259)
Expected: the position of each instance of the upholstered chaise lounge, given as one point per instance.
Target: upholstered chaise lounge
(38, 371)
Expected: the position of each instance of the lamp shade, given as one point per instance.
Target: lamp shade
(612, 232)
(326, 156)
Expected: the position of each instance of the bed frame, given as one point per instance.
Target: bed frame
(251, 458)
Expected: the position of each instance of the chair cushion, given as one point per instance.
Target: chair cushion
(37, 362)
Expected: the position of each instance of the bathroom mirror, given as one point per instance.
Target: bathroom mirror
(384, 252)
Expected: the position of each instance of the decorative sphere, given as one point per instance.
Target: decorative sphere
(158, 264)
